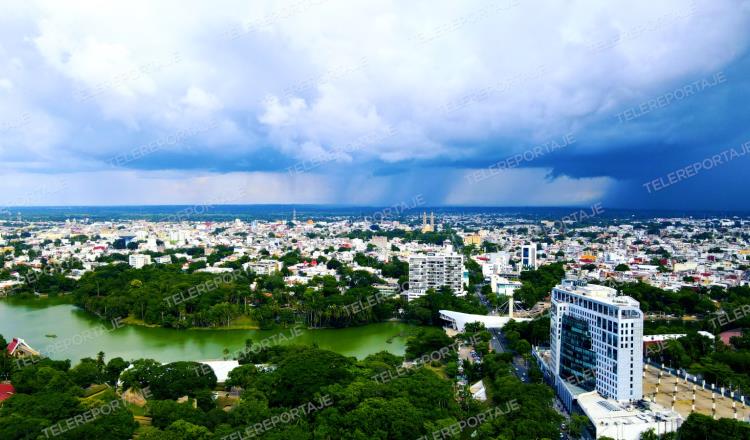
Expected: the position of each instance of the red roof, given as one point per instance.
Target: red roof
(12, 346)
(6, 391)
(727, 335)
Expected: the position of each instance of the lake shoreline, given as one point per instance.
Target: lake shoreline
(130, 320)
(82, 334)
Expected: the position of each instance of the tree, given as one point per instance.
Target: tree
(243, 376)
(181, 378)
(304, 372)
(411, 405)
(114, 368)
(426, 310)
(86, 373)
(700, 427)
(187, 431)
(523, 347)
(537, 284)
(165, 412)
(42, 377)
(141, 374)
(622, 267)
(578, 424)
(426, 341)
(118, 424)
(7, 363)
(151, 433)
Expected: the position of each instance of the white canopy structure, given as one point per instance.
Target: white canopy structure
(457, 320)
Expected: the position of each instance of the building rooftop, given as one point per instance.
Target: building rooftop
(608, 412)
(461, 319)
(221, 368)
(598, 292)
(6, 391)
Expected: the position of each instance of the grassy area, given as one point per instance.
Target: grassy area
(94, 390)
(130, 320)
(440, 371)
(143, 421)
(221, 402)
(138, 411)
(242, 322)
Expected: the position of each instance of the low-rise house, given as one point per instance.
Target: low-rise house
(20, 349)
(6, 392)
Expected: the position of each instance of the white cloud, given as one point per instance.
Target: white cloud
(201, 100)
(454, 81)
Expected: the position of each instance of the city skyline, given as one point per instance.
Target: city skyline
(315, 103)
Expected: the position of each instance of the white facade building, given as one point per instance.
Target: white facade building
(595, 361)
(139, 260)
(433, 271)
(596, 337)
(263, 267)
(528, 256)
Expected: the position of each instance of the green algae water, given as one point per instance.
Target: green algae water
(62, 331)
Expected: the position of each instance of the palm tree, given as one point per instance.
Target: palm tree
(100, 360)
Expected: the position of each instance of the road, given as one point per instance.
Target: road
(520, 366)
(498, 343)
(483, 299)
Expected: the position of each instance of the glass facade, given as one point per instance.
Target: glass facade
(577, 357)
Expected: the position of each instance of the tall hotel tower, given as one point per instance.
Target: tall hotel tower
(596, 340)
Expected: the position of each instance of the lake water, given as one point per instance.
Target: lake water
(80, 335)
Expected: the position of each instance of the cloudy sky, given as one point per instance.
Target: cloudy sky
(506, 103)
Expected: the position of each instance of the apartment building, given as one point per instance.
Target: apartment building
(139, 260)
(528, 256)
(434, 270)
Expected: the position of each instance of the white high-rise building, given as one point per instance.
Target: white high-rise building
(528, 256)
(138, 260)
(151, 245)
(596, 340)
(433, 271)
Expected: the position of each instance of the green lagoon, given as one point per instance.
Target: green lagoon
(62, 331)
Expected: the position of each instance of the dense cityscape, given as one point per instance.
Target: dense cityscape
(492, 303)
(369, 220)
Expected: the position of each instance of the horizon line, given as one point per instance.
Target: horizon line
(337, 205)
